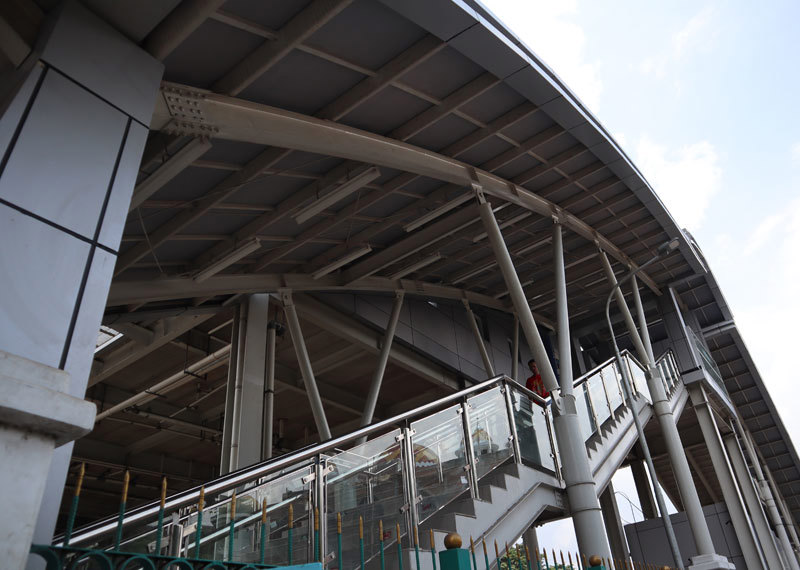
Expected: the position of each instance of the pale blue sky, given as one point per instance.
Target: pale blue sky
(702, 96)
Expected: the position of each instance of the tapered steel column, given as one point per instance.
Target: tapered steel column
(672, 440)
(613, 521)
(473, 324)
(711, 436)
(784, 509)
(644, 332)
(757, 514)
(269, 390)
(647, 501)
(517, 295)
(515, 350)
(766, 494)
(306, 371)
(383, 359)
(227, 430)
(587, 516)
(581, 489)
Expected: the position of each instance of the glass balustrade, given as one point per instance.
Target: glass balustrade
(411, 466)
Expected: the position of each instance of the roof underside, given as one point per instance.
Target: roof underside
(438, 77)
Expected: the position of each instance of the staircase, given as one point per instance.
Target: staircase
(481, 462)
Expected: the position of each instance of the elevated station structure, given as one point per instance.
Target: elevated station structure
(308, 233)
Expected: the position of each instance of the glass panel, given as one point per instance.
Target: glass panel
(366, 481)
(597, 394)
(279, 493)
(491, 433)
(439, 459)
(534, 442)
(584, 411)
(542, 437)
(612, 386)
(638, 378)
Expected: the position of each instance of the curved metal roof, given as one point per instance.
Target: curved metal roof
(346, 137)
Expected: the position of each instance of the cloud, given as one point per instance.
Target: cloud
(765, 231)
(686, 178)
(551, 31)
(696, 36)
(795, 153)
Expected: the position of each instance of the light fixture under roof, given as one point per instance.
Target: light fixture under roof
(339, 193)
(344, 260)
(240, 251)
(440, 211)
(416, 266)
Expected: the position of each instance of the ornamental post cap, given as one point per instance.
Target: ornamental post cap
(595, 560)
(452, 540)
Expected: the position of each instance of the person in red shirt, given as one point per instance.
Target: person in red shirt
(534, 383)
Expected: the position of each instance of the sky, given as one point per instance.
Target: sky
(701, 95)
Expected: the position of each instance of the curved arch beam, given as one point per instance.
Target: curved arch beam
(145, 291)
(187, 110)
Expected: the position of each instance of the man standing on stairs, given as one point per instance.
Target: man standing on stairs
(534, 382)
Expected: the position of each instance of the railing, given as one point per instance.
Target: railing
(708, 362)
(413, 465)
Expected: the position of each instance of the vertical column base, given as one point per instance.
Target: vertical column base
(710, 562)
(37, 415)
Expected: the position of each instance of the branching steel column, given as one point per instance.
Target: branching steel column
(666, 421)
(473, 324)
(562, 310)
(757, 514)
(269, 390)
(517, 295)
(383, 360)
(730, 495)
(227, 430)
(305, 366)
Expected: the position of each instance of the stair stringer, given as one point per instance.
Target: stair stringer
(617, 443)
(509, 505)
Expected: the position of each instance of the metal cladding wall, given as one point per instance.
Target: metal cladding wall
(647, 540)
(441, 331)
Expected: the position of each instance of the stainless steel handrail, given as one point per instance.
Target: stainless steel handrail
(248, 474)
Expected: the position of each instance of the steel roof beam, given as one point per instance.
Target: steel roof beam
(300, 27)
(178, 25)
(407, 60)
(236, 119)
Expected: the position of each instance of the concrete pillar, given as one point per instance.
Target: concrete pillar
(531, 541)
(730, 494)
(647, 502)
(614, 530)
(248, 401)
(753, 503)
(707, 559)
(71, 139)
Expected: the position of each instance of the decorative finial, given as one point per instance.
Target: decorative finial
(595, 560)
(452, 540)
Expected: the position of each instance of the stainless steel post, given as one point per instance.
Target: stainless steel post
(747, 541)
(511, 423)
(269, 391)
(383, 359)
(320, 503)
(306, 371)
(487, 362)
(410, 474)
(472, 461)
